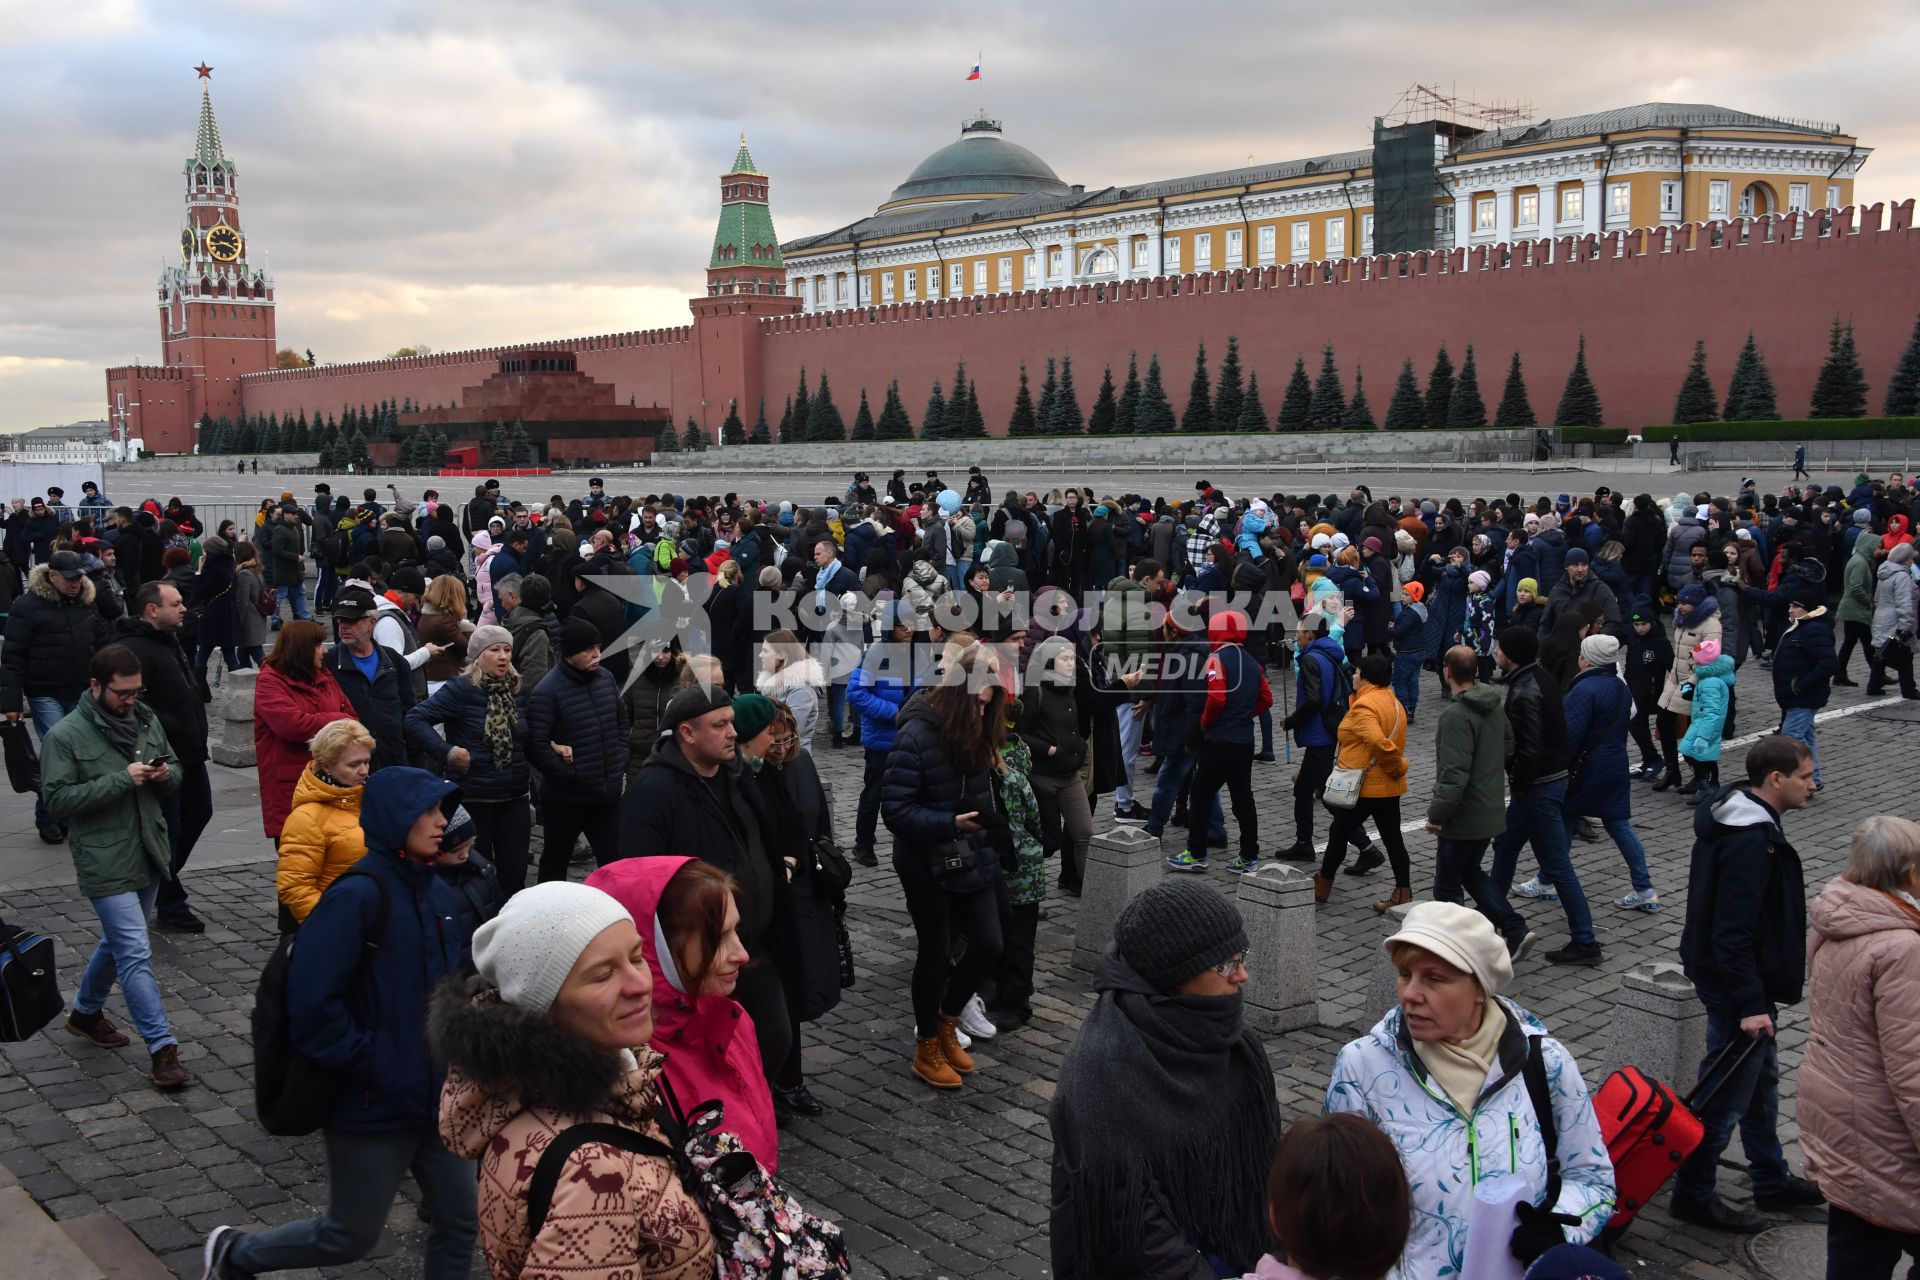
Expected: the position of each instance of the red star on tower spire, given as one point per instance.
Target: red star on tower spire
(206, 72)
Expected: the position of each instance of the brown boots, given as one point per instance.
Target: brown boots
(959, 1059)
(1401, 895)
(1322, 889)
(167, 1073)
(931, 1065)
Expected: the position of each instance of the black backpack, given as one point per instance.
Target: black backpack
(29, 982)
(293, 1094)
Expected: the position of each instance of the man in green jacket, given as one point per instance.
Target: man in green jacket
(106, 770)
(1471, 745)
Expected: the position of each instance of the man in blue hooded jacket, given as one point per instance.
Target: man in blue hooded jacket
(362, 1016)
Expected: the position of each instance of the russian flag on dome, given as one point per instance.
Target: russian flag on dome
(975, 73)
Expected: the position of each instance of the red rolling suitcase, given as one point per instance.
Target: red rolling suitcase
(1650, 1130)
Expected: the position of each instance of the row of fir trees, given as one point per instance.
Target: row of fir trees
(1840, 390)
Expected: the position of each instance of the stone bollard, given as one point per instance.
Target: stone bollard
(1658, 1025)
(1383, 981)
(230, 724)
(1120, 863)
(1276, 902)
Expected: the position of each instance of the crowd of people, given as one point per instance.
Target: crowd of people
(503, 689)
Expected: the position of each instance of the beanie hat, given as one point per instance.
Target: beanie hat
(1599, 651)
(1176, 930)
(577, 635)
(1706, 651)
(1316, 561)
(1322, 541)
(1576, 555)
(528, 950)
(1902, 554)
(693, 702)
(1478, 580)
(1374, 545)
(484, 638)
(213, 543)
(1415, 592)
(1809, 598)
(1520, 644)
(460, 829)
(1575, 1262)
(536, 593)
(1462, 937)
(752, 713)
(436, 543)
(1862, 516)
(1527, 585)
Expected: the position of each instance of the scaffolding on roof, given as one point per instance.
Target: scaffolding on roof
(1420, 102)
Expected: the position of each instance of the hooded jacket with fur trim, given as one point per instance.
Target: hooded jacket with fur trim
(50, 640)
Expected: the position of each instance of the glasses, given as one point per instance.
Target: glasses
(1233, 964)
(787, 741)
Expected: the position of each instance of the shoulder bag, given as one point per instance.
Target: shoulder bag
(29, 983)
(1343, 785)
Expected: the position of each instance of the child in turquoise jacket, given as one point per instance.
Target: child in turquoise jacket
(1712, 692)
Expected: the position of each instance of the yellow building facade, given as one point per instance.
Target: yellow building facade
(984, 215)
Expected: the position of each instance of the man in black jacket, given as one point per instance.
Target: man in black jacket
(577, 738)
(1743, 947)
(52, 634)
(179, 699)
(1537, 777)
(375, 678)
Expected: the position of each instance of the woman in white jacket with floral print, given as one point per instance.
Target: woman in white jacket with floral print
(1444, 1076)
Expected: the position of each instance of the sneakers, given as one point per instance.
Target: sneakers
(1297, 852)
(1520, 948)
(1370, 857)
(1537, 888)
(1185, 861)
(95, 1029)
(213, 1258)
(1240, 866)
(1648, 771)
(181, 921)
(1640, 900)
(1134, 815)
(1577, 953)
(1267, 757)
(166, 1072)
(973, 1021)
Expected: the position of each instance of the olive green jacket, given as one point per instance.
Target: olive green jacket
(116, 831)
(1471, 747)
(1856, 595)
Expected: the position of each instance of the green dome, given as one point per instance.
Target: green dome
(980, 165)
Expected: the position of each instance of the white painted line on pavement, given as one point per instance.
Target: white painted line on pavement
(1819, 717)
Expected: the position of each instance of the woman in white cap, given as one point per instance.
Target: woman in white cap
(482, 712)
(553, 1032)
(1445, 1074)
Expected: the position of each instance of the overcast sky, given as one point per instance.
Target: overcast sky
(475, 172)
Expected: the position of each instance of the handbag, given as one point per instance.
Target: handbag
(29, 983)
(1343, 785)
(23, 764)
(830, 863)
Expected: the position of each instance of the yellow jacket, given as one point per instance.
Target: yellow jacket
(321, 839)
(1374, 733)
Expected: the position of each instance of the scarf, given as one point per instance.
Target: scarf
(500, 715)
(122, 731)
(1461, 1068)
(1167, 1099)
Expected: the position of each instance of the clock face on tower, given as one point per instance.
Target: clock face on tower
(186, 244)
(224, 244)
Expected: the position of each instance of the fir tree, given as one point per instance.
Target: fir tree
(863, 419)
(327, 460)
(695, 438)
(247, 439)
(760, 434)
(933, 424)
(1406, 411)
(1198, 415)
(1903, 388)
(1359, 412)
(972, 425)
(357, 447)
(1696, 401)
(1439, 389)
(1467, 408)
(957, 404)
(1515, 409)
(786, 423)
(1022, 423)
(209, 433)
(1253, 413)
(1049, 388)
(1841, 389)
(894, 423)
(1296, 406)
(1229, 391)
(1579, 399)
(438, 455)
(1100, 421)
(1126, 411)
(1067, 418)
(802, 410)
(1329, 408)
(823, 416)
(1155, 414)
(733, 431)
(669, 441)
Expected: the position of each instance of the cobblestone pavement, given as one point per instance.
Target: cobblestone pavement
(925, 1184)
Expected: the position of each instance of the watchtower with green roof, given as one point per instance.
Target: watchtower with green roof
(746, 252)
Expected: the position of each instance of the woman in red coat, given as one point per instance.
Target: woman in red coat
(689, 921)
(294, 699)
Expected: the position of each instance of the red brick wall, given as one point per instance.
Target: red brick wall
(159, 405)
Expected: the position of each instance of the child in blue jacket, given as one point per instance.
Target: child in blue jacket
(1712, 694)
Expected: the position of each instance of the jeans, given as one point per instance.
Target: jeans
(1131, 723)
(229, 654)
(1228, 764)
(46, 713)
(1456, 867)
(1858, 1250)
(866, 823)
(189, 809)
(1627, 840)
(325, 587)
(1747, 1096)
(296, 596)
(1385, 812)
(502, 830)
(568, 818)
(1406, 679)
(1167, 786)
(126, 953)
(941, 984)
(363, 1176)
(1797, 722)
(1266, 733)
(1640, 587)
(1534, 814)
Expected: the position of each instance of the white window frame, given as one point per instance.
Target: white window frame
(1236, 247)
(1203, 251)
(1006, 274)
(980, 277)
(866, 289)
(1302, 241)
(910, 284)
(840, 287)
(1268, 242)
(1619, 201)
(933, 283)
(1526, 209)
(1336, 236)
(1670, 196)
(1833, 195)
(1573, 204)
(1140, 259)
(1056, 262)
(1030, 273)
(886, 287)
(1486, 215)
(1366, 233)
(1170, 254)
(1798, 195)
(957, 280)
(1719, 198)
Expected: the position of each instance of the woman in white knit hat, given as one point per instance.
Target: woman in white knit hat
(553, 1032)
(482, 746)
(1445, 1076)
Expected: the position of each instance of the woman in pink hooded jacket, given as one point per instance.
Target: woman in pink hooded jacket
(1860, 1079)
(689, 920)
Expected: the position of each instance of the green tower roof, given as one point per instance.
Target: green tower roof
(743, 159)
(745, 237)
